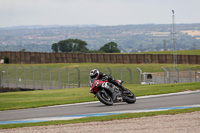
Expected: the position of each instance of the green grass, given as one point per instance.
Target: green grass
(33, 99)
(146, 67)
(156, 89)
(102, 118)
(181, 52)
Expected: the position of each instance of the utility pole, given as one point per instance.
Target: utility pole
(174, 40)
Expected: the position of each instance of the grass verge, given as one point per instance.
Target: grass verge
(33, 99)
(102, 118)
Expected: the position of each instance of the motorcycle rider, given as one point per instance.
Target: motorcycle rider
(95, 73)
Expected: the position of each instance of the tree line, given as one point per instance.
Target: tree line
(77, 45)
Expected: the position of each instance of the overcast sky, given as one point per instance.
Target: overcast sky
(101, 12)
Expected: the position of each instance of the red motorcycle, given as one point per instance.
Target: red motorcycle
(108, 93)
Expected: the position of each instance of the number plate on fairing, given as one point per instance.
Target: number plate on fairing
(105, 85)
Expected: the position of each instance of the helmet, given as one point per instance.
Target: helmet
(94, 73)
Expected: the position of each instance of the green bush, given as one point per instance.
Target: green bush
(6, 60)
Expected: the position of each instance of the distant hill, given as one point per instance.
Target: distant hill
(130, 38)
(45, 26)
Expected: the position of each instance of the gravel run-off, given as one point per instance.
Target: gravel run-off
(179, 123)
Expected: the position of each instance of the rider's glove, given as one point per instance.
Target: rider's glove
(91, 90)
(109, 77)
(105, 78)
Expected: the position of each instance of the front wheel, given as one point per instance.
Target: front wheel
(129, 97)
(103, 97)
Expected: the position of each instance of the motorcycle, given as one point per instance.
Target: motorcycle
(108, 93)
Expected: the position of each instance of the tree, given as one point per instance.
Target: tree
(110, 47)
(55, 47)
(23, 50)
(64, 46)
(70, 45)
(80, 45)
(6, 60)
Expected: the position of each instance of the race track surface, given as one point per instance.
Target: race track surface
(181, 99)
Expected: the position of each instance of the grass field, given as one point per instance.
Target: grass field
(33, 99)
(101, 66)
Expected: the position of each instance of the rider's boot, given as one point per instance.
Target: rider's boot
(124, 90)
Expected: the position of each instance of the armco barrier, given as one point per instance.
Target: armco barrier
(41, 58)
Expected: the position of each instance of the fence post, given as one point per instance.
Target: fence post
(68, 77)
(24, 77)
(50, 77)
(121, 71)
(168, 71)
(59, 77)
(7, 78)
(88, 75)
(177, 75)
(109, 70)
(165, 76)
(195, 75)
(0, 78)
(130, 75)
(140, 74)
(79, 81)
(41, 78)
(33, 77)
(190, 74)
(16, 80)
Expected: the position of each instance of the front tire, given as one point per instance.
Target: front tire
(129, 97)
(103, 97)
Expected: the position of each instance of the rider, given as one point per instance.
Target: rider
(95, 73)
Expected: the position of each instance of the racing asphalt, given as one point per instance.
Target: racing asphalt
(146, 102)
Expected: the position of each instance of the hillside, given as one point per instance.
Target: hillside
(130, 38)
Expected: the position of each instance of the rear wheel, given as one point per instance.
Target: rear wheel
(103, 97)
(129, 97)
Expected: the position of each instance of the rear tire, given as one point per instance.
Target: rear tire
(130, 98)
(103, 97)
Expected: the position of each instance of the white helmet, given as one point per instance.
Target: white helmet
(94, 73)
